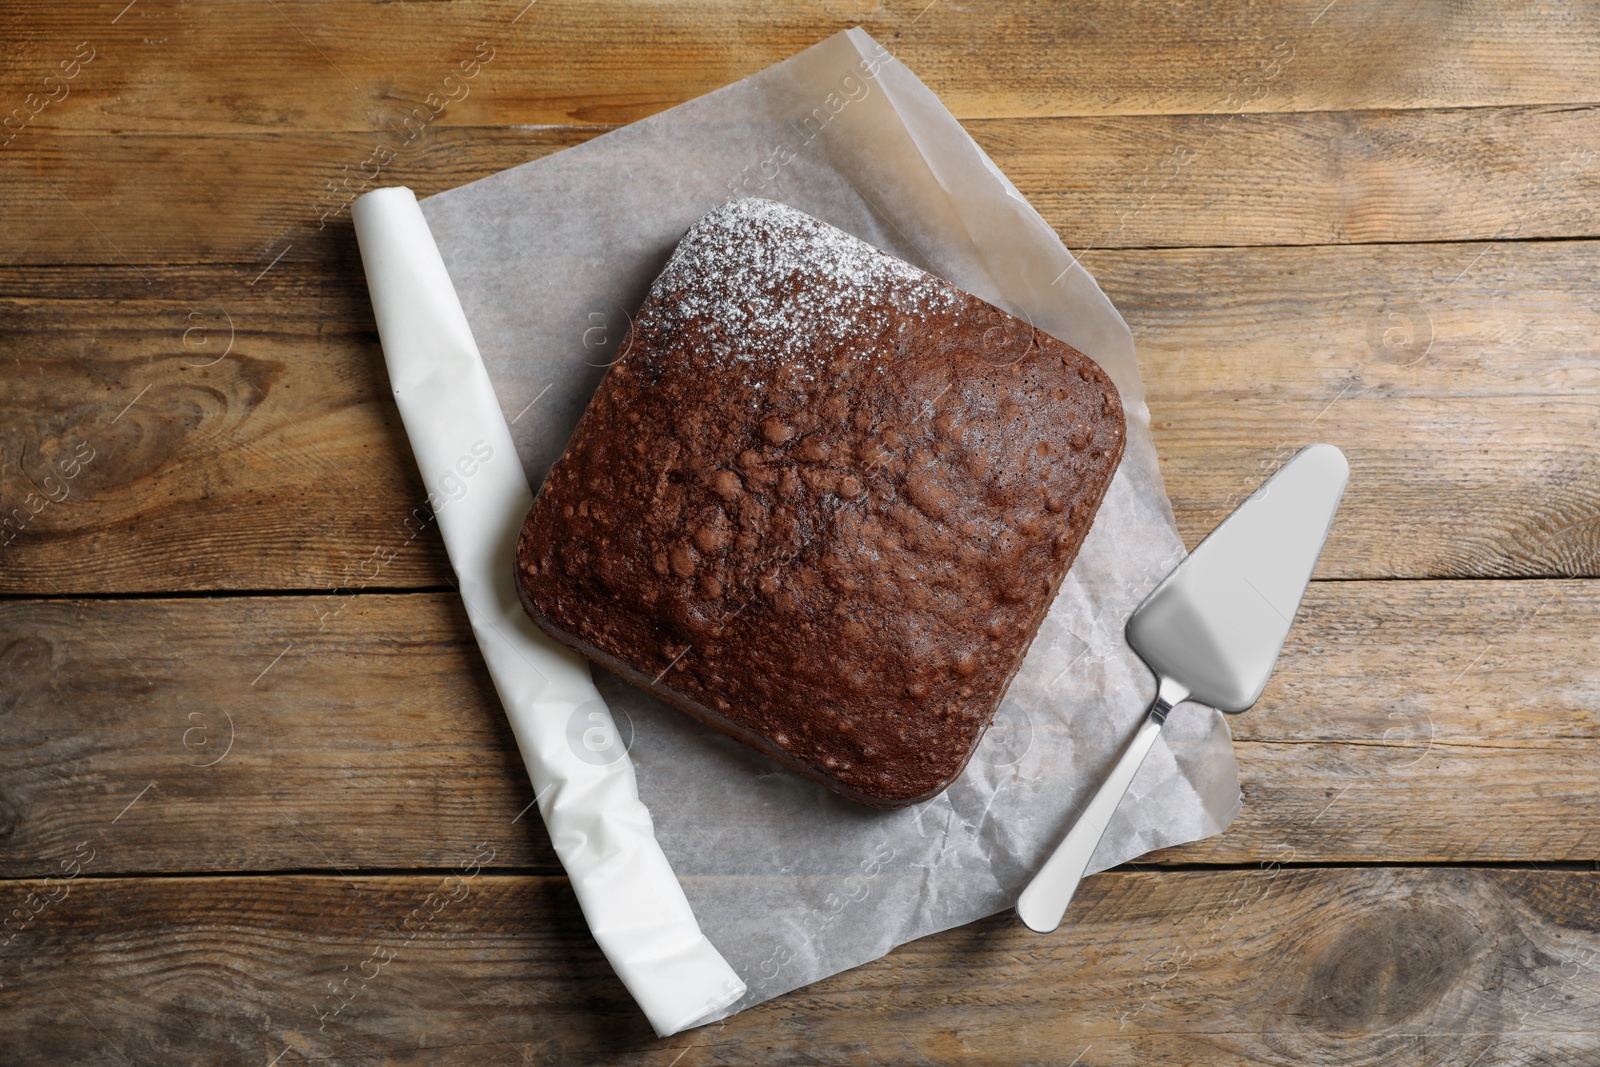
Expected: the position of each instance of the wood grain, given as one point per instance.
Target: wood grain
(1267, 966)
(360, 64)
(1399, 708)
(249, 199)
(348, 732)
(1460, 321)
(1359, 222)
(1128, 181)
(1319, 178)
(279, 463)
(235, 436)
(1453, 498)
(265, 732)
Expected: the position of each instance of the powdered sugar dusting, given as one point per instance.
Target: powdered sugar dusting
(768, 284)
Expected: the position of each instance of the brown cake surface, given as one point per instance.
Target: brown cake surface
(822, 501)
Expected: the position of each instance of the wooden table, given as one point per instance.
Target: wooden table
(245, 734)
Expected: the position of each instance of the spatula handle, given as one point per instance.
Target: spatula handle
(1045, 901)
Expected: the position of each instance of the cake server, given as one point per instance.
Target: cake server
(1211, 632)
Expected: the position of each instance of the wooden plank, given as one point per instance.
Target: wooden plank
(1132, 181)
(249, 203)
(360, 64)
(365, 733)
(1468, 487)
(195, 173)
(1424, 721)
(1311, 178)
(1465, 320)
(278, 732)
(282, 464)
(229, 435)
(1266, 966)
(1424, 363)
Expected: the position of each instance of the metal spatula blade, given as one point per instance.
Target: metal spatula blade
(1211, 631)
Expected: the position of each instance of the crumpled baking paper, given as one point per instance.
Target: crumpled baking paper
(788, 881)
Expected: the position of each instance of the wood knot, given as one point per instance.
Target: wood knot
(1387, 967)
(28, 666)
(10, 819)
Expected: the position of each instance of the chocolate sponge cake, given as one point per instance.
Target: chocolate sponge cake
(822, 501)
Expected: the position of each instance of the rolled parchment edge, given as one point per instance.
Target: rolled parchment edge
(479, 494)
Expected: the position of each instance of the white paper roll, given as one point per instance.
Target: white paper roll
(479, 492)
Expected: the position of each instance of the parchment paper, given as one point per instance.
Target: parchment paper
(790, 882)
(478, 491)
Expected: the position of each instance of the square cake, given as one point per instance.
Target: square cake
(821, 501)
